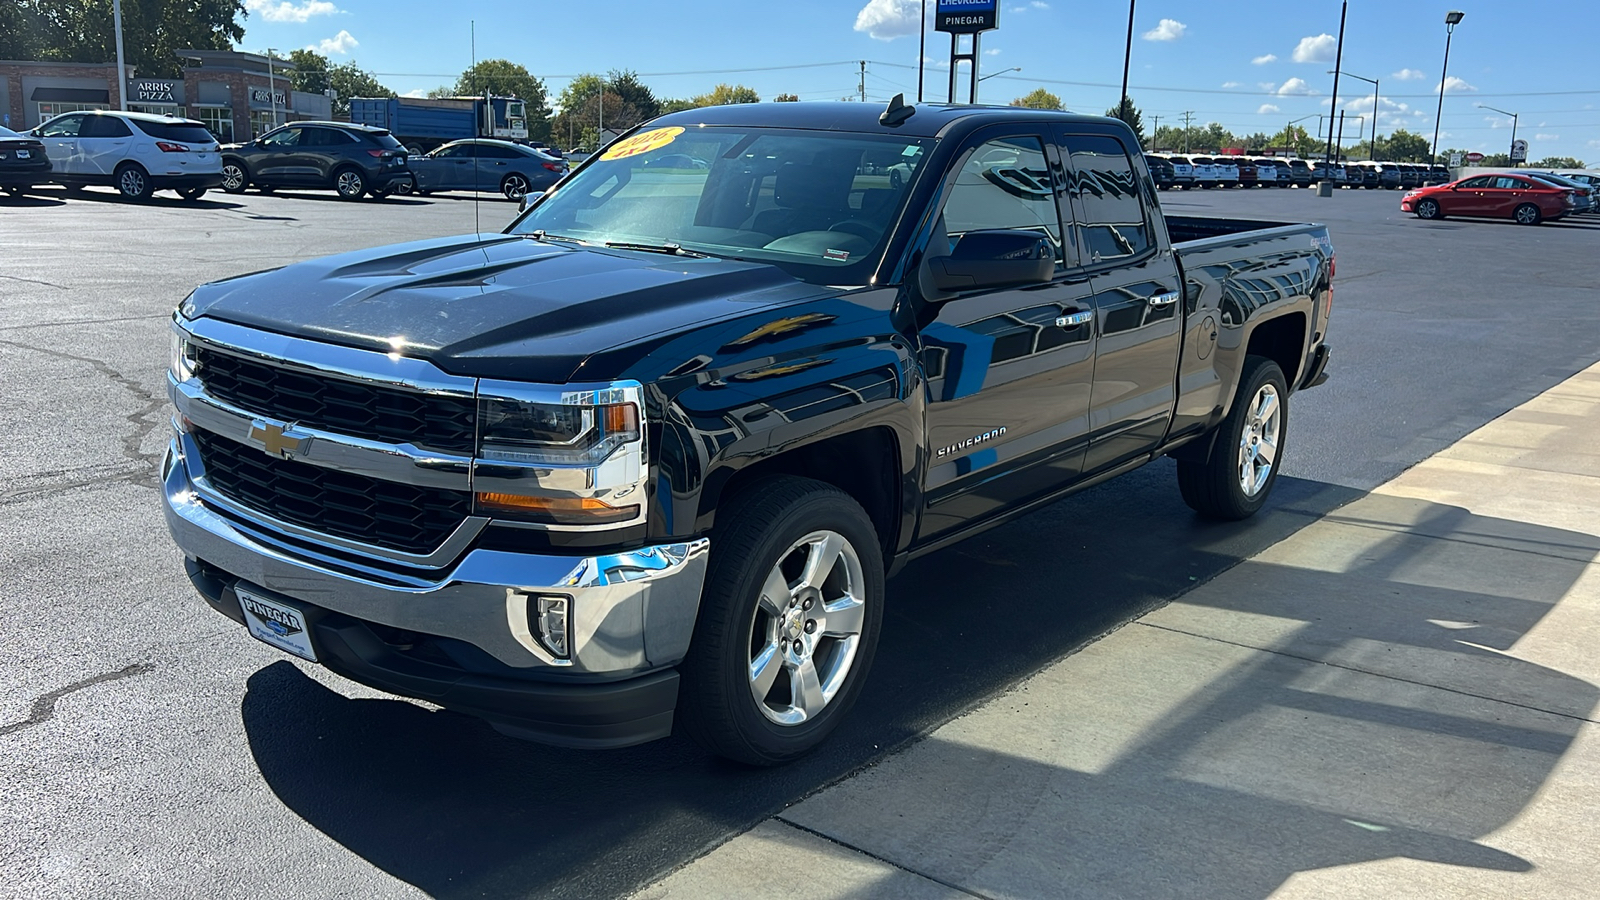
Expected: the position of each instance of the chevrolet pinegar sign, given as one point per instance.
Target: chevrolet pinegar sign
(966, 16)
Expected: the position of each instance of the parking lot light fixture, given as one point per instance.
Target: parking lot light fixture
(1451, 20)
(1513, 154)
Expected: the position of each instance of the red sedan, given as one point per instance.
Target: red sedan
(1527, 201)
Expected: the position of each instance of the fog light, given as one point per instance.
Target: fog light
(551, 624)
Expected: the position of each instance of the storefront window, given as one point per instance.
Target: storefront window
(56, 108)
(218, 121)
(261, 122)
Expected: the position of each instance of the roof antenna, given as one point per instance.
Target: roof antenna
(897, 112)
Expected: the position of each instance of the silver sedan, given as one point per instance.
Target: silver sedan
(481, 164)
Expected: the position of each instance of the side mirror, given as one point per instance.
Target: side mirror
(990, 259)
(528, 200)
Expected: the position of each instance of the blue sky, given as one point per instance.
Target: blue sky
(1251, 67)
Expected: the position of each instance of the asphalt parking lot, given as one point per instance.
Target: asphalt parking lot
(151, 748)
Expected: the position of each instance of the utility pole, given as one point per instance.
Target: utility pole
(1188, 115)
(122, 71)
(1153, 131)
(922, 46)
(863, 85)
(1127, 56)
(1338, 64)
(272, 87)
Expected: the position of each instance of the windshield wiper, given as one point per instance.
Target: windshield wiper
(669, 249)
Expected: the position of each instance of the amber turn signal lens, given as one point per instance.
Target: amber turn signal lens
(621, 418)
(556, 510)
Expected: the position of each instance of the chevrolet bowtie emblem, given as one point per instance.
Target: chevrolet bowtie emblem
(276, 440)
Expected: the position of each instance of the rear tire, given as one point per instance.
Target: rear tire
(132, 182)
(788, 622)
(349, 183)
(1248, 448)
(1527, 214)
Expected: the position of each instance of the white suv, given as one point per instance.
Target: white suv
(136, 153)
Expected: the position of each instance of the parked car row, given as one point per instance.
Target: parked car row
(1525, 197)
(1226, 171)
(139, 153)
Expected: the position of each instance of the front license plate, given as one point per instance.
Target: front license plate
(278, 624)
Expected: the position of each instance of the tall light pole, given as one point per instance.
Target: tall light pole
(922, 46)
(1513, 156)
(1127, 57)
(122, 71)
(1338, 63)
(272, 87)
(1451, 20)
(1372, 150)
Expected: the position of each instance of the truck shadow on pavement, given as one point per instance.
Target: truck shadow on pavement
(1201, 800)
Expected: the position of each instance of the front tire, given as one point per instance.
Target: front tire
(235, 177)
(132, 182)
(350, 184)
(1234, 481)
(1527, 214)
(515, 187)
(788, 622)
(1428, 209)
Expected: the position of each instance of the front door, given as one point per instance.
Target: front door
(1009, 370)
(60, 137)
(1137, 297)
(276, 165)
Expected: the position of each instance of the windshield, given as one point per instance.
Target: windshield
(818, 204)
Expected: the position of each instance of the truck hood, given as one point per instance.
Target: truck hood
(497, 306)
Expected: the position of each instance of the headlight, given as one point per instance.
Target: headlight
(561, 458)
(555, 434)
(182, 357)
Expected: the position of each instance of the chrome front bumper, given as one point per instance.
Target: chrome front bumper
(631, 612)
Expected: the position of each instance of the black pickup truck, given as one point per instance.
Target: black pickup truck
(644, 460)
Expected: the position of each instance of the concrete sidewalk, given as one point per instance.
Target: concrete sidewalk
(1398, 701)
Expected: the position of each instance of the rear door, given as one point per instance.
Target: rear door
(60, 137)
(493, 164)
(104, 142)
(1009, 371)
(1137, 298)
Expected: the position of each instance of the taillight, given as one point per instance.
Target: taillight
(378, 154)
(552, 167)
(1327, 305)
(168, 147)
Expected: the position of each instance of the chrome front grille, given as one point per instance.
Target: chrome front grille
(377, 412)
(403, 517)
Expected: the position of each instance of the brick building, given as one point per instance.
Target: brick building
(233, 93)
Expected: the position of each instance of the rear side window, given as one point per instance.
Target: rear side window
(1106, 191)
(183, 132)
(1004, 184)
(385, 140)
(1509, 183)
(104, 127)
(495, 151)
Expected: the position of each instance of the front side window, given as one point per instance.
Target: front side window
(818, 204)
(64, 127)
(1482, 181)
(1004, 184)
(1106, 190)
(453, 151)
(282, 139)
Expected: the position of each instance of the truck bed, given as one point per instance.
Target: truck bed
(1187, 231)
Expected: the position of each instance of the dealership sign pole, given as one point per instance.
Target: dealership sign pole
(958, 17)
(122, 69)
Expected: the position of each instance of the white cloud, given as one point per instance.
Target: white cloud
(1317, 49)
(1594, 145)
(1264, 58)
(341, 43)
(1454, 85)
(1268, 86)
(1547, 137)
(415, 92)
(889, 19)
(1296, 87)
(1498, 121)
(1017, 10)
(1409, 75)
(1391, 114)
(287, 11)
(1230, 84)
(1166, 30)
(993, 51)
(1266, 109)
(1039, 4)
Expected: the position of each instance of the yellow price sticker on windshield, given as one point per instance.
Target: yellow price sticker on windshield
(644, 142)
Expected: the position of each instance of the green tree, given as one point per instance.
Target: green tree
(626, 103)
(1039, 98)
(1295, 138)
(1559, 162)
(505, 78)
(677, 105)
(786, 98)
(152, 31)
(1402, 146)
(315, 74)
(1127, 112)
(641, 102)
(1207, 138)
(727, 95)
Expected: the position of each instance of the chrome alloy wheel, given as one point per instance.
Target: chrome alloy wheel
(232, 178)
(515, 187)
(131, 182)
(1527, 214)
(349, 183)
(1258, 440)
(806, 628)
